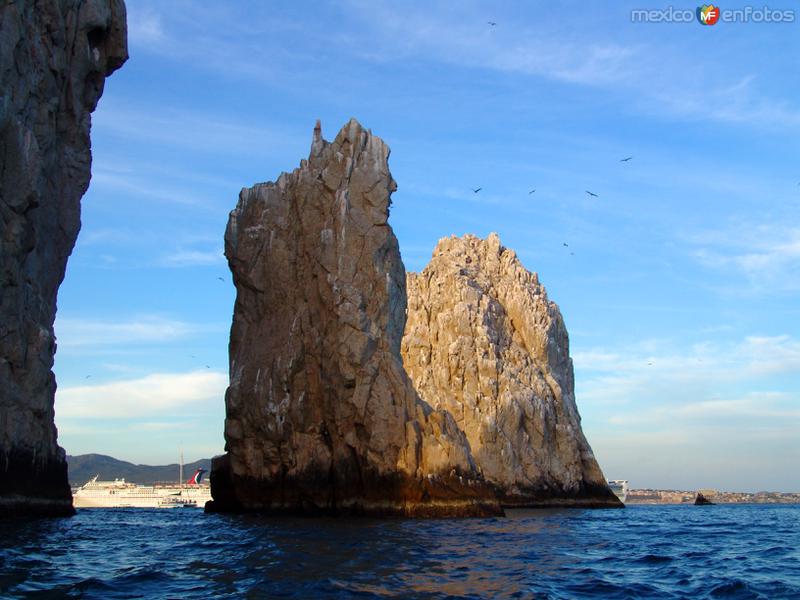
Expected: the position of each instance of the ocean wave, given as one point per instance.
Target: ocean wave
(640, 552)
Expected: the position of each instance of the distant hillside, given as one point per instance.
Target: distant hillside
(85, 466)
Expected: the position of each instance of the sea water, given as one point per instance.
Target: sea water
(724, 551)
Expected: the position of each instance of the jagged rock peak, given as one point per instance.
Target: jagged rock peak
(483, 342)
(54, 58)
(320, 415)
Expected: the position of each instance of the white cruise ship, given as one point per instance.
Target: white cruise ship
(121, 494)
(619, 487)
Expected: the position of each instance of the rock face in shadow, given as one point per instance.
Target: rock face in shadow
(701, 500)
(484, 343)
(320, 415)
(54, 58)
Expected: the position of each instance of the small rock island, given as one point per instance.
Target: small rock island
(701, 500)
(321, 414)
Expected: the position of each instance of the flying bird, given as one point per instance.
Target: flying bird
(492, 23)
(566, 245)
(592, 194)
(221, 279)
(87, 377)
(529, 193)
(476, 190)
(207, 367)
(625, 159)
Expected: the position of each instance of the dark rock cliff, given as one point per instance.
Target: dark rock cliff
(54, 58)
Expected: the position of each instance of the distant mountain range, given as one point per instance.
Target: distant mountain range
(85, 466)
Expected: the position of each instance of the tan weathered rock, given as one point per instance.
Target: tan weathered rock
(483, 342)
(54, 58)
(320, 415)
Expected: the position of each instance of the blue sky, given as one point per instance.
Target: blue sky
(681, 297)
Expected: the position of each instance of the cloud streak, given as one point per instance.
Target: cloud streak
(193, 258)
(718, 414)
(201, 132)
(653, 82)
(156, 395)
(659, 385)
(146, 329)
(767, 255)
(636, 70)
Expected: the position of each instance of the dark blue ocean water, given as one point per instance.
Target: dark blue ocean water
(740, 551)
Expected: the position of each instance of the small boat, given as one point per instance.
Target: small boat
(175, 502)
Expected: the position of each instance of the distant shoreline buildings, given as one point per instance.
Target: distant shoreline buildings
(651, 496)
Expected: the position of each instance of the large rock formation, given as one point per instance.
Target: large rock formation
(484, 343)
(320, 415)
(54, 57)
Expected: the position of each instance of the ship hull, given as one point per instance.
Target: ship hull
(118, 494)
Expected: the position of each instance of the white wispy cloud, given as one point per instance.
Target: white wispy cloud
(767, 255)
(451, 36)
(748, 357)
(661, 381)
(710, 414)
(177, 248)
(202, 132)
(754, 404)
(79, 332)
(193, 258)
(636, 69)
(143, 187)
(145, 26)
(735, 101)
(754, 407)
(457, 194)
(147, 397)
(652, 80)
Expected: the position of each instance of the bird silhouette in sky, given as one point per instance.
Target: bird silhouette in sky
(492, 23)
(221, 279)
(529, 193)
(87, 377)
(625, 159)
(207, 367)
(475, 191)
(566, 245)
(592, 194)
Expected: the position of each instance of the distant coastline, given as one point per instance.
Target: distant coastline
(652, 496)
(84, 467)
